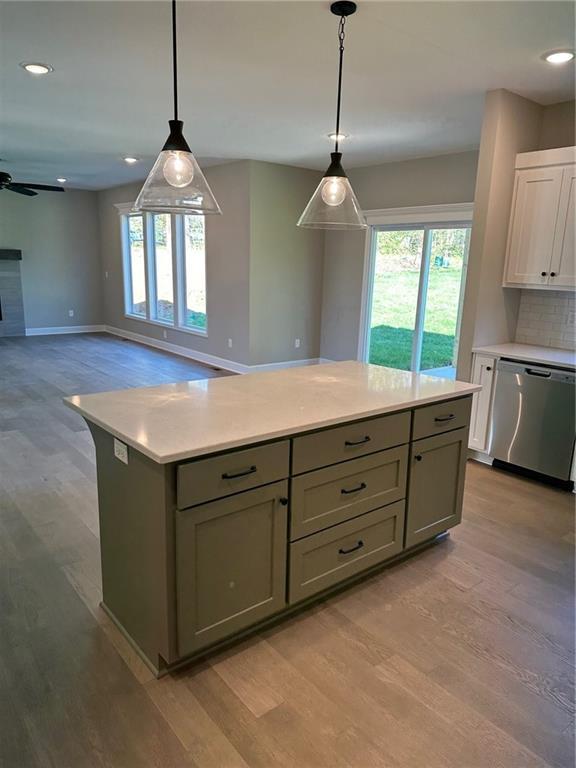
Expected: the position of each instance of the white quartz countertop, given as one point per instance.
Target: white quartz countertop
(533, 354)
(193, 418)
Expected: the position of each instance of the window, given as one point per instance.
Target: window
(415, 287)
(164, 260)
(194, 273)
(137, 283)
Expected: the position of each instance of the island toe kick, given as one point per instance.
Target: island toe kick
(198, 553)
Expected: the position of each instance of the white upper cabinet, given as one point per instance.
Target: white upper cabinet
(563, 266)
(540, 251)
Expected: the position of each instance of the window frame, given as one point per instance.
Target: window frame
(126, 210)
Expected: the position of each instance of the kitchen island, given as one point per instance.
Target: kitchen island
(227, 503)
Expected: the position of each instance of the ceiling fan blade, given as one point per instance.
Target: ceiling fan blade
(21, 190)
(45, 187)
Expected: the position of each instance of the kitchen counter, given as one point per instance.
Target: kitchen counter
(179, 421)
(228, 503)
(533, 354)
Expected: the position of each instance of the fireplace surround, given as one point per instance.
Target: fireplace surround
(11, 304)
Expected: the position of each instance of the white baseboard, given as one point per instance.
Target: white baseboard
(203, 357)
(58, 329)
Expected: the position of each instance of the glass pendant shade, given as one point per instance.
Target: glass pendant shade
(176, 183)
(334, 204)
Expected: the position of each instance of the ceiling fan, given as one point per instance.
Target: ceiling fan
(24, 188)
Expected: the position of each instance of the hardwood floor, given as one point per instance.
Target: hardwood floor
(462, 657)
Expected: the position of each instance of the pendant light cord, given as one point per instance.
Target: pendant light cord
(341, 36)
(174, 60)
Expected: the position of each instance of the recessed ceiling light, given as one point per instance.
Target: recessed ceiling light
(558, 57)
(61, 179)
(337, 136)
(130, 160)
(36, 68)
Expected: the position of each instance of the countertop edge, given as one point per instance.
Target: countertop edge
(493, 349)
(268, 436)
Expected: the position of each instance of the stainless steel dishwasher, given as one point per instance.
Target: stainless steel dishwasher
(533, 418)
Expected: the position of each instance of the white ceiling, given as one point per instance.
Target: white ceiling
(258, 80)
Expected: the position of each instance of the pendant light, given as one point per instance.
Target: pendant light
(176, 184)
(334, 205)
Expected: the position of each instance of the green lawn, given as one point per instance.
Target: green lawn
(393, 313)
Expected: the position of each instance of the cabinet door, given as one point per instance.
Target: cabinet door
(482, 373)
(563, 267)
(436, 485)
(533, 225)
(230, 565)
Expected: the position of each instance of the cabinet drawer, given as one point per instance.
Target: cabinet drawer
(200, 481)
(326, 558)
(332, 495)
(441, 417)
(342, 443)
(230, 565)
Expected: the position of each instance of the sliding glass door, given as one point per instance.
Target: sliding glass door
(415, 296)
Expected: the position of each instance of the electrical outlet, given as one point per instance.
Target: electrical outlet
(297, 343)
(106, 275)
(165, 334)
(70, 313)
(229, 343)
(120, 451)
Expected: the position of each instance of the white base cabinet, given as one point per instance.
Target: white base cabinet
(540, 250)
(483, 369)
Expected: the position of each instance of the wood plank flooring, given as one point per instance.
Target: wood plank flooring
(462, 657)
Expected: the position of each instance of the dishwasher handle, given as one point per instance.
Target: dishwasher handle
(540, 372)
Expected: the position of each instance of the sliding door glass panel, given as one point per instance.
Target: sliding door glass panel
(439, 339)
(137, 279)
(194, 272)
(163, 267)
(398, 259)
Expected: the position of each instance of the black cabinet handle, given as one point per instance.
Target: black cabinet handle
(418, 457)
(536, 372)
(365, 439)
(543, 274)
(352, 549)
(283, 500)
(552, 274)
(234, 475)
(488, 367)
(354, 490)
(442, 419)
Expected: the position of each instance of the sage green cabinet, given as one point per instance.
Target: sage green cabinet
(230, 565)
(324, 559)
(436, 485)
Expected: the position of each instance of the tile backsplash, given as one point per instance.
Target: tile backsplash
(546, 318)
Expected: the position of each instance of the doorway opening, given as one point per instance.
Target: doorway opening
(415, 296)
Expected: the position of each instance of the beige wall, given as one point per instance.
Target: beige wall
(285, 266)
(263, 274)
(426, 181)
(511, 124)
(58, 236)
(558, 127)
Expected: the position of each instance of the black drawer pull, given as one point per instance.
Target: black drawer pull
(418, 457)
(352, 549)
(442, 419)
(354, 490)
(234, 475)
(283, 500)
(365, 439)
(543, 274)
(552, 274)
